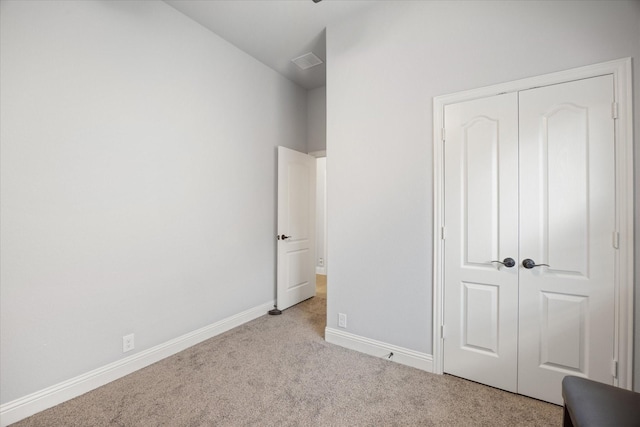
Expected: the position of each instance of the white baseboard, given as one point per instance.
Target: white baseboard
(380, 349)
(26, 406)
(321, 270)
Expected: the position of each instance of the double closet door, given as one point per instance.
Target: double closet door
(530, 240)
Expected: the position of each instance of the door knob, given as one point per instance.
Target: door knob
(283, 237)
(529, 264)
(507, 262)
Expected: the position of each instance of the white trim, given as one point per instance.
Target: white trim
(318, 154)
(621, 71)
(321, 270)
(401, 355)
(26, 406)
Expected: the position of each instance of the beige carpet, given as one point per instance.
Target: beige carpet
(278, 370)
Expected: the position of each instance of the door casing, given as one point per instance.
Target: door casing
(621, 71)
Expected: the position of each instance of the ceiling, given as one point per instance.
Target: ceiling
(274, 31)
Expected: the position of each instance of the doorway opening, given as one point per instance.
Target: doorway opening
(321, 225)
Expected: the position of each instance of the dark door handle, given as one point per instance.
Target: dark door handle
(507, 262)
(529, 264)
(283, 237)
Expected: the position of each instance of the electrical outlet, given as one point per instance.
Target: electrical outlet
(321, 262)
(127, 343)
(342, 320)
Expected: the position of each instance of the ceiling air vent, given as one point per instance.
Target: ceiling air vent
(307, 61)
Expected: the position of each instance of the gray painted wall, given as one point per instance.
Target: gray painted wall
(317, 119)
(384, 68)
(138, 182)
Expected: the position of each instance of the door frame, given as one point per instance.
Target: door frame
(623, 126)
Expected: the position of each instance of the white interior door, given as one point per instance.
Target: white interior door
(296, 227)
(530, 176)
(567, 220)
(481, 217)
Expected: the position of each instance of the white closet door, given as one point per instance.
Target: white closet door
(531, 176)
(567, 220)
(481, 214)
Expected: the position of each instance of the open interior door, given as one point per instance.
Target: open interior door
(296, 227)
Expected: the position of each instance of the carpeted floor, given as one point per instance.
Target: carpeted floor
(279, 371)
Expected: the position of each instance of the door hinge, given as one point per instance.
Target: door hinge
(442, 233)
(616, 240)
(442, 331)
(614, 110)
(443, 135)
(614, 369)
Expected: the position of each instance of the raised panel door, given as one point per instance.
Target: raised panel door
(296, 279)
(481, 206)
(567, 220)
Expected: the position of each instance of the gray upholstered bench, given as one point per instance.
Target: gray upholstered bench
(589, 403)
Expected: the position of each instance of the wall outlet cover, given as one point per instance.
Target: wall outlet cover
(128, 343)
(342, 320)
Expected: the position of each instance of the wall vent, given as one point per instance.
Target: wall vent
(307, 61)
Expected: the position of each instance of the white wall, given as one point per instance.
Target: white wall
(317, 119)
(137, 182)
(384, 68)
